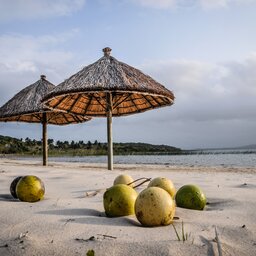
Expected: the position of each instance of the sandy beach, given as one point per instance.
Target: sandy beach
(71, 220)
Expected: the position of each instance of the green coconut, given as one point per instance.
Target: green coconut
(163, 183)
(119, 200)
(30, 189)
(190, 197)
(154, 207)
(13, 186)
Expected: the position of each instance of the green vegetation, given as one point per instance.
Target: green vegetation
(184, 235)
(9, 145)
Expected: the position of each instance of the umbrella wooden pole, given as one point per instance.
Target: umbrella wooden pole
(109, 128)
(45, 142)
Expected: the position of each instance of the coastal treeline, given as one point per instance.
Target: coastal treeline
(27, 146)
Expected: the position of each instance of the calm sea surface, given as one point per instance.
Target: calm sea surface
(239, 158)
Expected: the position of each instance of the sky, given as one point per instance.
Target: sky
(204, 51)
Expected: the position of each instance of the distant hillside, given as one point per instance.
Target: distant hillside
(249, 147)
(252, 146)
(144, 148)
(9, 145)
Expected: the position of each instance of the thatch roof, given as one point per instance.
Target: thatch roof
(26, 106)
(85, 92)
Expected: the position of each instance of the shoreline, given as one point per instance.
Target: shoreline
(67, 222)
(230, 162)
(127, 167)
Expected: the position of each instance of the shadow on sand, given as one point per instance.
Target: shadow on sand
(7, 198)
(214, 204)
(74, 212)
(90, 216)
(208, 243)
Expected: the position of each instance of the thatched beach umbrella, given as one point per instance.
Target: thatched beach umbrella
(108, 88)
(27, 106)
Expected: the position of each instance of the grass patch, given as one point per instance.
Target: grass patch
(183, 236)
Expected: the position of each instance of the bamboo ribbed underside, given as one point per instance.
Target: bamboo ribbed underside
(26, 106)
(53, 117)
(94, 103)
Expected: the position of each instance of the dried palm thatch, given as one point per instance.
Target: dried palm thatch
(108, 88)
(27, 106)
(85, 92)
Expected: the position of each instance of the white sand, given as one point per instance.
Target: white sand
(62, 223)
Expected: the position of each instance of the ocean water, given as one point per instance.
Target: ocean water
(225, 158)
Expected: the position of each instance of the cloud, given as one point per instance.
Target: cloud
(159, 4)
(214, 4)
(20, 53)
(23, 58)
(210, 4)
(37, 9)
(204, 4)
(209, 92)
